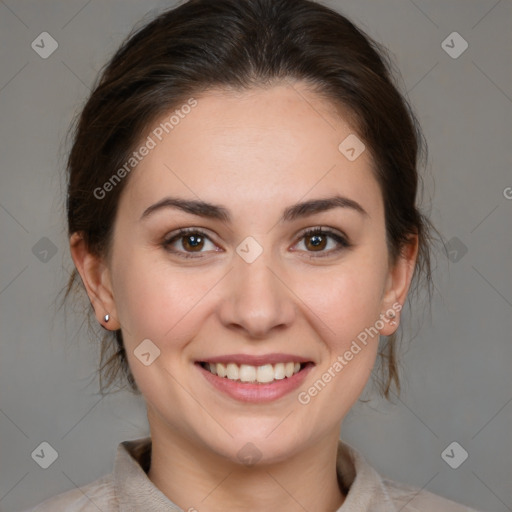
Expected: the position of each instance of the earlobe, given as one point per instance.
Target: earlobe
(398, 283)
(96, 278)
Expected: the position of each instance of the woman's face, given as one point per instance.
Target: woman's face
(245, 287)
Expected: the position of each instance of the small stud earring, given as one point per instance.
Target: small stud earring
(393, 322)
(106, 318)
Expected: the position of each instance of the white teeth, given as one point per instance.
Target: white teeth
(248, 373)
(232, 371)
(279, 372)
(265, 373)
(221, 369)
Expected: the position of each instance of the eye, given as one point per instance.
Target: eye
(191, 240)
(317, 239)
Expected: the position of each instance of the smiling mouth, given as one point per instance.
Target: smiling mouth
(247, 373)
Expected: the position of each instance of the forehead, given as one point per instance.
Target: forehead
(263, 146)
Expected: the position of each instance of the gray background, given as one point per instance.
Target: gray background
(458, 382)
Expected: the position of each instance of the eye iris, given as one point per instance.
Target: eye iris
(319, 241)
(192, 242)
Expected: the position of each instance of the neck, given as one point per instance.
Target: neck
(200, 481)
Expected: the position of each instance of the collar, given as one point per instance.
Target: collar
(363, 487)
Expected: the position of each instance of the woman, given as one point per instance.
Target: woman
(242, 212)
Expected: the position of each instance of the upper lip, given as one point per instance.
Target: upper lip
(256, 360)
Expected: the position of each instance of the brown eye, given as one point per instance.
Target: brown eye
(316, 240)
(188, 243)
(192, 242)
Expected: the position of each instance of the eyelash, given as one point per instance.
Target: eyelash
(342, 241)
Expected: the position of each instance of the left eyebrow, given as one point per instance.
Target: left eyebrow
(321, 205)
(291, 213)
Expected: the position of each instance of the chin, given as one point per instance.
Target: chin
(251, 449)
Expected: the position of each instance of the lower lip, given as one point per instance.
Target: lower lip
(256, 393)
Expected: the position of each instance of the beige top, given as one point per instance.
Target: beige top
(128, 488)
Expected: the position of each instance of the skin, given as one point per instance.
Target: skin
(253, 152)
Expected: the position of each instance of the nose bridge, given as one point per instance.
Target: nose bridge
(257, 301)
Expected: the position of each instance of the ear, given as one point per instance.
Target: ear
(96, 278)
(398, 284)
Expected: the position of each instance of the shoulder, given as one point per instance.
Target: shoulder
(368, 491)
(97, 495)
(408, 498)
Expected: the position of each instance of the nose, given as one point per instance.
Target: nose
(257, 299)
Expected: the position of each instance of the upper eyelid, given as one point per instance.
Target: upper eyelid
(323, 229)
(187, 231)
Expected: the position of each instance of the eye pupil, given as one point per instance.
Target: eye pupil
(318, 241)
(193, 242)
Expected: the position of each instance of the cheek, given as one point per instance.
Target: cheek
(156, 300)
(348, 302)
(347, 299)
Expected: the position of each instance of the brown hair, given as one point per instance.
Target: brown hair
(240, 44)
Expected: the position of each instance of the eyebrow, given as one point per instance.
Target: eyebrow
(291, 213)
